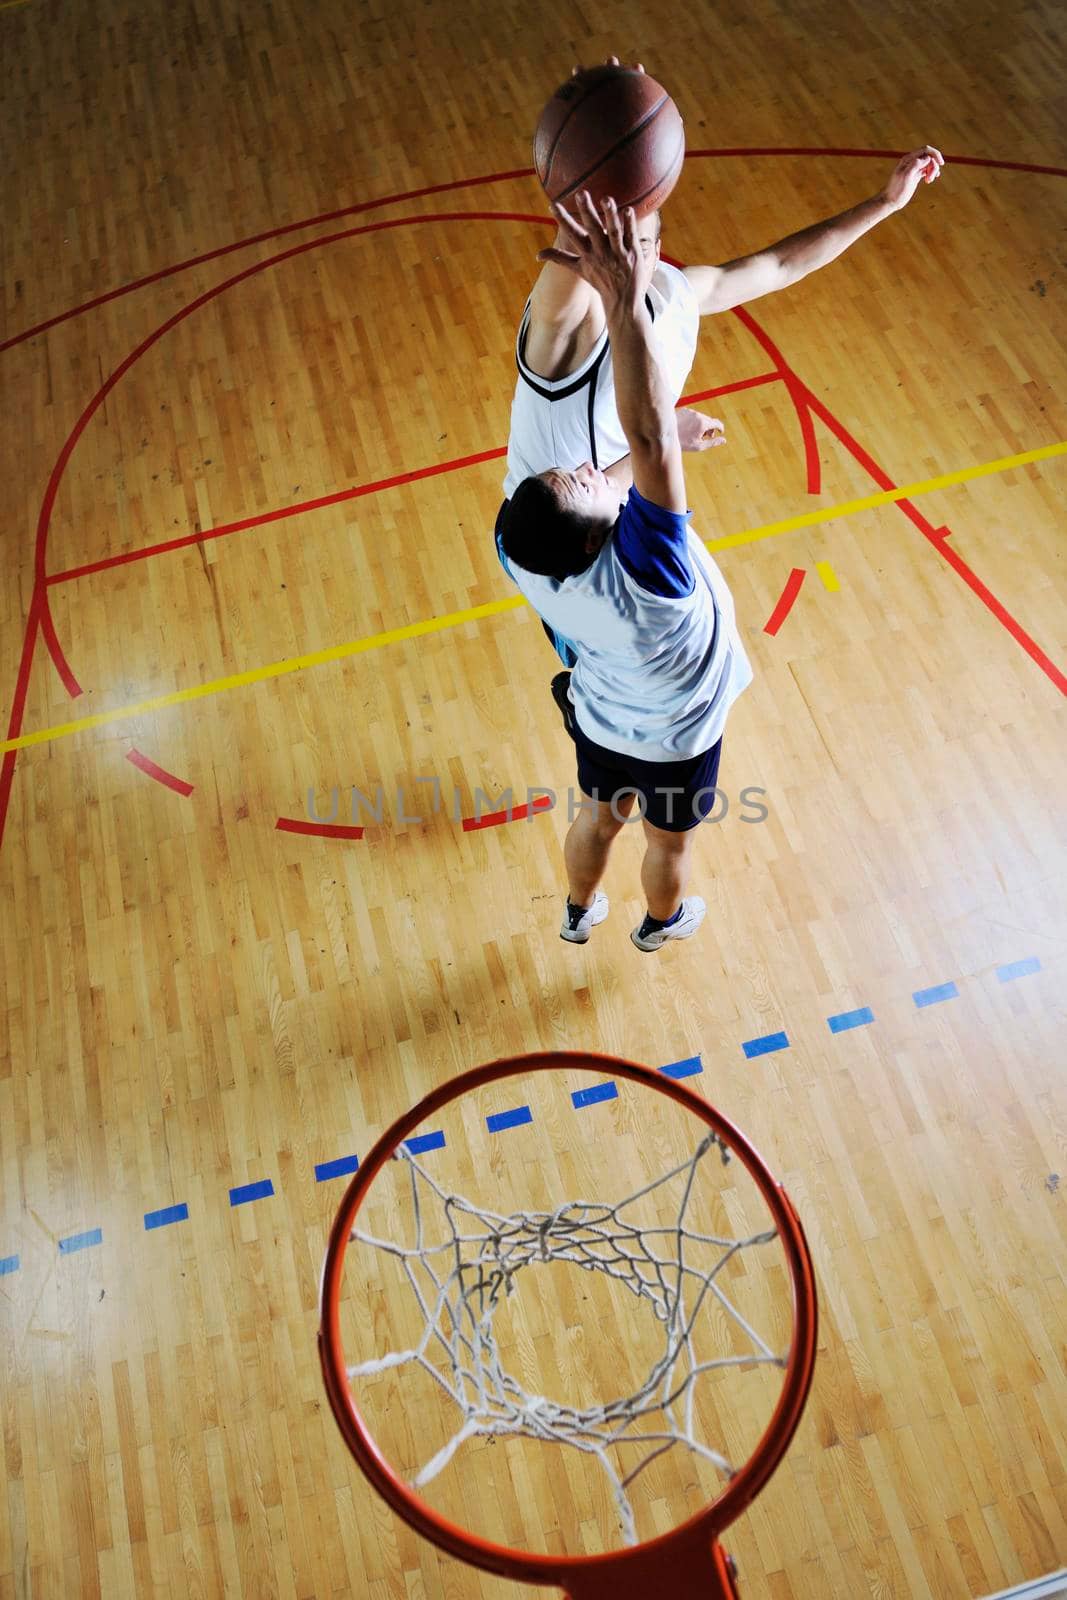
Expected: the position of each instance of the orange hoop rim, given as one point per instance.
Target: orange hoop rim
(705, 1525)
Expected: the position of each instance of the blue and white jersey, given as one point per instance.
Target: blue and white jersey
(565, 421)
(660, 661)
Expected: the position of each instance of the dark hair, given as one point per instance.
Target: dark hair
(539, 534)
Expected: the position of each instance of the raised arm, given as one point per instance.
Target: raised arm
(749, 277)
(566, 317)
(608, 257)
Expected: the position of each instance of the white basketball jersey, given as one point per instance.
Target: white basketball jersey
(564, 421)
(655, 676)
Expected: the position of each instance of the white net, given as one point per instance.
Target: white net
(463, 1263)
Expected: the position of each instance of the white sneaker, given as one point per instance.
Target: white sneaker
(693, 912)
(577, 925)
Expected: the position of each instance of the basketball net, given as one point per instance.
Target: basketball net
(464, 1263)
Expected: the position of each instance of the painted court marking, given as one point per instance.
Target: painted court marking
(934, 996)
(766, 1045)
(164, 1218)
(455, 619)
(1018, 969)
(80, 1241)
(319, 830)
(509, 1119)
(785, 601)
(152, 770)
(519, 1116)
(246, 1192)
(829, 576)
(850, 1019)
(594, 1095)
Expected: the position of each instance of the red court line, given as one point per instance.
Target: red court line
(261, 238)
(802, 398)
(471, 183)
(357, 492)
(44, 521)
(785, 601)
(798, 394)
(494, 819)
(318, 830)
(1002, 614)
(40, 611)
(55, 649)
(18, 704)
(938, 538)
(151, 770)
(279, 515)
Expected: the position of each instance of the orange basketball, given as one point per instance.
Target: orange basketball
(614, 131)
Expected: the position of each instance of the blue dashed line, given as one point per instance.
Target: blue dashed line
(591, 1097)
(251, 1191)
(765, 1046)
(163, 1219)
(690, 1066)
(934, 996)
(335, 1169)
(509, 1119)
(424, 1141)
(850, 1019)
(683, 1069)
(80, 1241)
(1018, 969)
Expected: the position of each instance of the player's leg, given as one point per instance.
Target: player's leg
(678, 796)
(665, 870)
(606, 802)
(589, 842)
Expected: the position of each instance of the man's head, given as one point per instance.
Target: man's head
(556, 523)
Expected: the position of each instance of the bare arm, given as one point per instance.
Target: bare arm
(609, 258)
(566, 318)
(749, 277)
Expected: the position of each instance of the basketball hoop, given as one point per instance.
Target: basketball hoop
(481, 1252)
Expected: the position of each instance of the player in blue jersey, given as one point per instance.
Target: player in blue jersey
(658, 657)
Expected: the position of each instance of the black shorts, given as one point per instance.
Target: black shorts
(672, 795)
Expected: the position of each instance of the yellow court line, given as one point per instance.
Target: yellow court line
(828, 576)
(886, 497)
(453, 619)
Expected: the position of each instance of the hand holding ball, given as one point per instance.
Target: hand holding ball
(614, 131)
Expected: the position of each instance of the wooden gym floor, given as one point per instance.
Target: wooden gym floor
(255, 386)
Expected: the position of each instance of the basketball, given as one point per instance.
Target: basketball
(614, 131)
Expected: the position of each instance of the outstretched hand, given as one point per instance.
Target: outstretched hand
(605, 249)
(696, 431)
(921, 166)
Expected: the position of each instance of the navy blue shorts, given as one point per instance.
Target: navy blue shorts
(672, 795)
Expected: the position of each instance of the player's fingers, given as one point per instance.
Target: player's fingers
(629, 229)
(613, 223)
(591, 218)
(563, 216)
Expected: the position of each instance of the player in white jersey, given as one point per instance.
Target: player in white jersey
(659, 660)
(563, 411)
